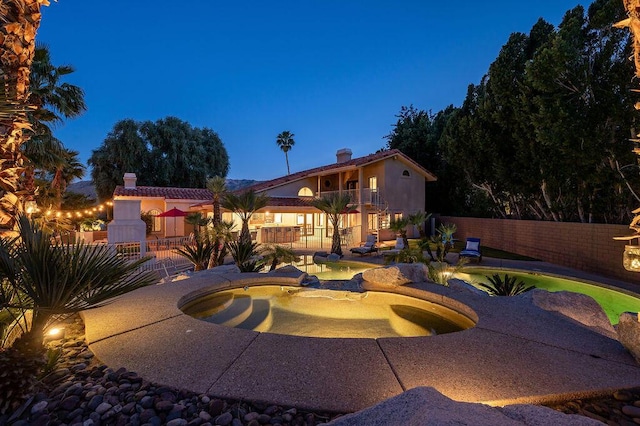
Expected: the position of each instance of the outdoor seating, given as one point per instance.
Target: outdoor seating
(368, 247)
(396, 250)
(472, 249)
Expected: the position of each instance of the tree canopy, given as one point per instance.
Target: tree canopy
(167, 152)
(544, 135)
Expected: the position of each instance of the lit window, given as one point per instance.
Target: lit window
(305, 192)
(156, 222)
(277, 217)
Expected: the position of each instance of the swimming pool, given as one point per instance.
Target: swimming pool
(614, 301)
(308, 312)
(340, 270)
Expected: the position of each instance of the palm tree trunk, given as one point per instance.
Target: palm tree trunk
(336, 246)
(21, 19)
(286, 157)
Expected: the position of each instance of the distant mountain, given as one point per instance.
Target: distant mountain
(87, 188)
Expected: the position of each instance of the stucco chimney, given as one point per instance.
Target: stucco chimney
(343, 155)
(130, 181)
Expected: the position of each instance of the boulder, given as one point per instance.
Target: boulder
(333, 257)
(629, 333)
(462, 286)
(427, 406)
(397, 275)
(579, 307)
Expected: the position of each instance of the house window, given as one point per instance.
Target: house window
(373, 183)
(277, 217)
(305, 192)
(405, 173)
(156, 222)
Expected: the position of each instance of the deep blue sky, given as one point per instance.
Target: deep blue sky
(334, 72)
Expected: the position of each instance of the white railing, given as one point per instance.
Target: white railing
(369, 196)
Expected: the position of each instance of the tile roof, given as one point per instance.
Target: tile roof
(355, 162)
(276, 202)
(162, 192)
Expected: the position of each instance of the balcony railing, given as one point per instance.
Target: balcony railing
(369, 196)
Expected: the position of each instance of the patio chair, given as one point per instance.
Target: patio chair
(397, 249)
(368, 247)
(472, 249)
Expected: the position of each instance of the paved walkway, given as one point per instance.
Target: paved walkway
(516, 353)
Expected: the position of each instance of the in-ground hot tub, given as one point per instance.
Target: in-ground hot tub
(326, 313)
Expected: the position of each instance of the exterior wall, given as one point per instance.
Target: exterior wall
(291, 189)
(126, 225)
(585, 246)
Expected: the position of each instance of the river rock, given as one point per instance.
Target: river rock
(629, 333)
(396, 275)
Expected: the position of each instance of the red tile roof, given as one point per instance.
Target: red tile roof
(161, 192)
(355, 162)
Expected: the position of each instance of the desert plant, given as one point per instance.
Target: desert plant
(399, 226)
(56, 280)
(443, 242)
(274, 254)
(441, 272)
(505, 286)
(245, 255)
(245, 205)
(219, 235)
(418, 219)
(333, 205)
(197, 253)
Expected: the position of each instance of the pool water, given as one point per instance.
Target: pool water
(614, 302)
(330, 270)
(326, 313)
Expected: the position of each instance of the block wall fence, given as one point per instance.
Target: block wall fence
(585, 246)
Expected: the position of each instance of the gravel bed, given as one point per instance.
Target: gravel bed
(82, 391)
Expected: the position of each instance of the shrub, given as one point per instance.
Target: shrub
(507, 286)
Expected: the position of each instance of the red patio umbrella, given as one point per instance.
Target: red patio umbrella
(174, 212)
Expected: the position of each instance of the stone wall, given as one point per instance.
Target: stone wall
(584, 246)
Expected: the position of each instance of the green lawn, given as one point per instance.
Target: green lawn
(486, 251)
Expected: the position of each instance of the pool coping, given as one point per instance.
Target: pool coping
(516, 353)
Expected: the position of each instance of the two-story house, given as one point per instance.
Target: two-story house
(382, 186)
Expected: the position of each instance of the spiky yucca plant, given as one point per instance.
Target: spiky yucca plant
(197, 253)
(507, 286)
(275, 254)
(53, 280)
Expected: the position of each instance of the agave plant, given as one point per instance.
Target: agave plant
(505, 286)
(245, 255)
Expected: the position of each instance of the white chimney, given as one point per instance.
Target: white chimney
(130, 181)
(343, 155)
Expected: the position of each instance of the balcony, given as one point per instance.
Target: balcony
(370, 196)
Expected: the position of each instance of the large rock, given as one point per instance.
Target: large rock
(629, 333)
(426, 406)
(225, 269)
(579, 307)
(397, 275)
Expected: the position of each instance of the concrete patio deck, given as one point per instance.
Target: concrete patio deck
(516, 353)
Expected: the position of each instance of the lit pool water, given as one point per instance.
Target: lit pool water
(326, 313)
(341, 270)
(613, 301)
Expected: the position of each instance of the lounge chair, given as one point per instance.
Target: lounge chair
(396, 250)
(472, 249)
(368, 247)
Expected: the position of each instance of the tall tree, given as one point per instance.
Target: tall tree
(333, 205)
(245, 204)
(54, 100)
(18, 27)
(285, 142)
(167, 152)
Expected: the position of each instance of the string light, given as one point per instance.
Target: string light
(92, 211)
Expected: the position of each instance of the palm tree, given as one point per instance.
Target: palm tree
(197, 253)
(18, 27)
(65, 171)
(418, 219)
(54, 101)
(399, 226)
(245, 205)
(218, 187)
(276, 254)
(220, 234)
(285, 142)
(333, 205)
